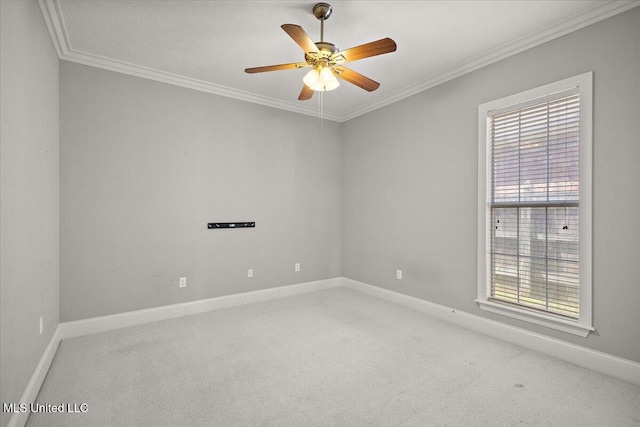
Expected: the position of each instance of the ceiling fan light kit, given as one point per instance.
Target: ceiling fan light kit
(321, 79)
(326, 60)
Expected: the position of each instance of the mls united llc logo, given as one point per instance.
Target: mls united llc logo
(69, 408)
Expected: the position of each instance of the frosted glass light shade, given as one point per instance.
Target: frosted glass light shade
(321, 79)
(311, 79)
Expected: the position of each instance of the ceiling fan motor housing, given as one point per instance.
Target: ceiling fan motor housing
(323, 57)
(322, 11)
(327, 47)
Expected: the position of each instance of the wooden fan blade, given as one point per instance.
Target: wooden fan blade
(301, 37)
(367, 50)
(276, 67)
(305, 93)
(357, 79)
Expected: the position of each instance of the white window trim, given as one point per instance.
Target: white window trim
(584, 324)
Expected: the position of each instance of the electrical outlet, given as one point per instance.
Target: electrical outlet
(41, 324)
(183, 282)
(399, 274)
(297, 267)
(250, 272)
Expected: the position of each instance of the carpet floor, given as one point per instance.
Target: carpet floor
(334, 357)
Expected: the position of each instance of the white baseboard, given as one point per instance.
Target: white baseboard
(139, 317)
(604, 363)
(19, 419)
(617, 367)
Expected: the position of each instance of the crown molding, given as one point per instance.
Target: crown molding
(58, 32)
(549, 33)
(190, 83)
(57, 29)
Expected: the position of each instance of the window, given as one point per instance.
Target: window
(534, 210)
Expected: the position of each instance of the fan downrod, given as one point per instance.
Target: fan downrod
(322, 11)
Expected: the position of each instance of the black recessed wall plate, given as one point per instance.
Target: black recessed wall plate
(219, 225)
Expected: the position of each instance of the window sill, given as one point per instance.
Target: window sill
(549, 321)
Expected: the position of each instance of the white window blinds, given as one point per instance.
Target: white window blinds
(533, 211)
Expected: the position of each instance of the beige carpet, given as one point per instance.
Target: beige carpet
(332, 357)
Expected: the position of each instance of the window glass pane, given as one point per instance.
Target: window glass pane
(533, 169)
(534, 153)
(504, 277)
(563, 259)
(564, 168)
(531, 260)
(504, 239)
(534, 161)
(505, 170)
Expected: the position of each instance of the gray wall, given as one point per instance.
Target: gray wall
(410, 181)
(29, 195)
(144, 166)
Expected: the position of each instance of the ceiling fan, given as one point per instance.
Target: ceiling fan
(326, 60)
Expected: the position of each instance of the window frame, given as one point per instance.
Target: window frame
(584, 324)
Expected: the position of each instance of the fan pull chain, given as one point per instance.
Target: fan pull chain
(321, 111)
(322, 93)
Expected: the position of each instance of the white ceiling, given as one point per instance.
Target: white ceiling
(206, 45)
